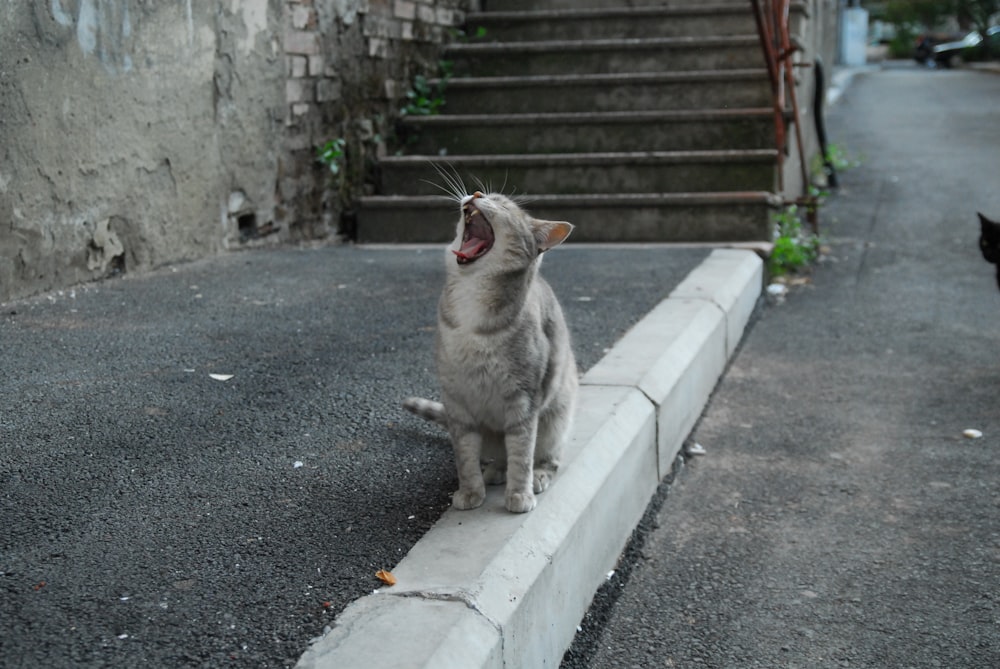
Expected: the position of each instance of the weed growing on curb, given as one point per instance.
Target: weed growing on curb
(837, 158)
(794, 248)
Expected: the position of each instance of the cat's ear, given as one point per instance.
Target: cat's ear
(550, 233)
(985, 222)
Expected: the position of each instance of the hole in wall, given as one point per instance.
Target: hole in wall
(117, 265)
(246, 224)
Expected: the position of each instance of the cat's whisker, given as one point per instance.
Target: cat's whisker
(456, 187)
(484, 187)
(523, 198)
(449, 193)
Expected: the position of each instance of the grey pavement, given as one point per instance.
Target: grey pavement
(152, 515)
(839, 517)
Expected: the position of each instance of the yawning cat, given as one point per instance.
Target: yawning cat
(989, 242)
(504, 361)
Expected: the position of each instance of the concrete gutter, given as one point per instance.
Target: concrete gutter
(487, 588)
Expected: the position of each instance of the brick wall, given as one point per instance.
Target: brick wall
(348, 63)
(135, 134)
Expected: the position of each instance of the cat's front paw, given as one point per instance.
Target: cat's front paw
(520, 502)
(465, 499)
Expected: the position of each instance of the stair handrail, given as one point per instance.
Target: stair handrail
(771, 17)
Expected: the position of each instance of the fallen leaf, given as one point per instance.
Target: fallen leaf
(385, 576)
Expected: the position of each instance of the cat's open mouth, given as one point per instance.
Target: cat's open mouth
(477, 239)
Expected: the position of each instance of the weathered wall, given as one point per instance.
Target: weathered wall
(349, 64)
(135, 133)
(119, 130)
(815, 31)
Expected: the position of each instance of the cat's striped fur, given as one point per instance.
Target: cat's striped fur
(504, 360)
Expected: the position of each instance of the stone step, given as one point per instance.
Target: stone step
(590, 132)
(526, 5)
(605, 56)
(797, 8)
(713, 89)
(733, 18)
(636, 217)
(645, 172)
(633, 120)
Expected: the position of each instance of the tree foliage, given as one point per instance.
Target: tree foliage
(911, 17)
(929, 14)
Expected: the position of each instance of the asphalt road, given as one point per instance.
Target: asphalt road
(839, 517)
(151, 515)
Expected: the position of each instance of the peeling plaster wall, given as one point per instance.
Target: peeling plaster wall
(124, 126)
(816, 35)
(136, 133)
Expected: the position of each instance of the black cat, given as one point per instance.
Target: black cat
(989, 242)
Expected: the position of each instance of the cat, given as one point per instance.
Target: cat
(989, 242)
(504, 358)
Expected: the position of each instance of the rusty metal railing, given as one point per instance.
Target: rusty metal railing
(772, 27)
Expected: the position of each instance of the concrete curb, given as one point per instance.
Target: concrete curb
(486, 588)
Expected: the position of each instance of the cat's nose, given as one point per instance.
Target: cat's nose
(477, 194)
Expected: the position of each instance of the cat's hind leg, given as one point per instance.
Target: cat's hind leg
(553, 425)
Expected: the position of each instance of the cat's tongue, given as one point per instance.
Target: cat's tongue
(476, 241)
(472, 247)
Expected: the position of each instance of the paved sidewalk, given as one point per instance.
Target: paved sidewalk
(486, 588)
(152, 514)
(839, 517)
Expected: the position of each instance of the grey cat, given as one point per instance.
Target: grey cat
(504, 360)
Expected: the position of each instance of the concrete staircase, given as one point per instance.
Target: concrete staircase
(636, 123)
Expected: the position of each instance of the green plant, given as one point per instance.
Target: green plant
(333, 154)
(913, 17)
(919, 14)
(839, 158)
(836, 157)
(425, 98)
(461, 35)
(794, 248)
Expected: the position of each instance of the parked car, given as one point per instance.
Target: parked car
(949, 54)
(923, 50)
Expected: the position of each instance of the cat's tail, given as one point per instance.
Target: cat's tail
(426, 409)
